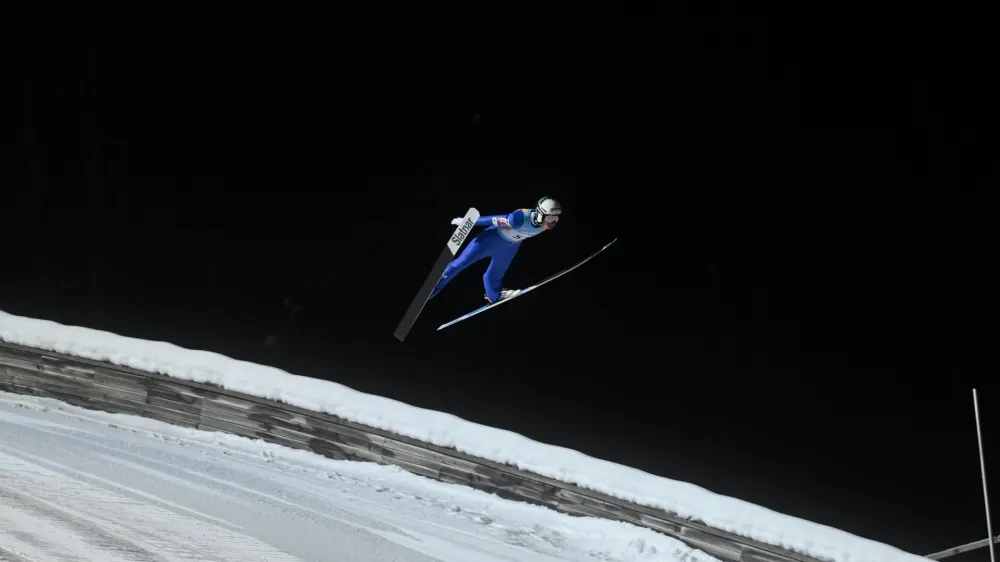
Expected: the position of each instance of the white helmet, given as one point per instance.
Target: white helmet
(546, 212)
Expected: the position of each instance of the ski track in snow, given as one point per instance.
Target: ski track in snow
(79, 486)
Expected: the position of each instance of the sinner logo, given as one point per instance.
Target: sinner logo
(501, 221)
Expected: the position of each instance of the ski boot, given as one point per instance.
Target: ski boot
(504, 294)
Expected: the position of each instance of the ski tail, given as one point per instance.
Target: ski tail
(447, 254)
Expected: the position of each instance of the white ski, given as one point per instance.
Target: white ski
(520, 292)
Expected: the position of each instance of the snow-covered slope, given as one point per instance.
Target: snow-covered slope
(82, 485)
(684, 499)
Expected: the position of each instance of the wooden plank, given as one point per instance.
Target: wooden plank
(180, 392)
(249, 415)
(711, 543)
(167, 413)
(419, 469)
(615, 509)
(72, 378)
(466, 472)
(173, 405)
(535, 496)
(169, 416)
(459, 463)
(51, 378)
(318, 446)
(578, 510)
(478, 481)
(325, 429)
(19, 362)
(89, 393)
(123, 381)
(659, 524)
(63, 394)
(202, 403)
(751, 554)
(324, 442)
(82, 388)
(247, 432)
(102, 370)
(10, 386)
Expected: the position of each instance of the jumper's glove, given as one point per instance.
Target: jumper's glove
(457, 221)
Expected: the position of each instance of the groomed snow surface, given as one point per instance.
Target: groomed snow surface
(78, 485)
(566, 465)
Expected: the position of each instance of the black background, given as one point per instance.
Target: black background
(790, 315)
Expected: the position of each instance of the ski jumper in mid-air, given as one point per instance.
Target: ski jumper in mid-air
(500, 242)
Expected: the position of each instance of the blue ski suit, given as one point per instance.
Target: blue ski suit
(500, 242)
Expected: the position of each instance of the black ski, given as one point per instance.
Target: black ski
(454, 244)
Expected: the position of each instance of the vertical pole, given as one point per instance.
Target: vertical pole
(982, 468)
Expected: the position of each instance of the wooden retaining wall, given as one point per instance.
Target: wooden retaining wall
(111, 388)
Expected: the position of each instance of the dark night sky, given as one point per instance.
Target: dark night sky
(790, 315)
